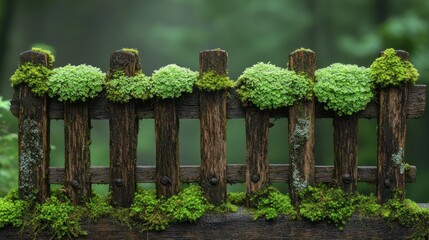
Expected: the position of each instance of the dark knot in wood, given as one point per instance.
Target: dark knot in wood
(119, 183)
(387, 183)
(75, 184)
(213, 181)
(347, 178)
(255, 178)
(165, 180)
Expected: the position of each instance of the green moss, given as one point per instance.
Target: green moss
(270, 203)
(75, 83)
(212, 81)
(12, 210)
(390, 70)
(171, 81)
(131, 50)
(35, 76)
(269, 87)
(51, 57)
(346, 89)
(99, 206)
(303, 50)
(224, 208)
(122, 88)
(237, 198)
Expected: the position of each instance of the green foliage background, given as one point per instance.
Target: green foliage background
(168, 31)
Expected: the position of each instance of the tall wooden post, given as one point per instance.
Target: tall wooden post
(301, 130)
(33, 136)
(77, 132)
(213, 130)
(124, 128)
(346, 151)
(392, 120)
(167, 147)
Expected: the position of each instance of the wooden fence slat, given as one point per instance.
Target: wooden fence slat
(391, 139)
(346, 151)
(213, 107)
(77, 132)
(257, 129)
(301, 129)
(236, 173)
(167, 147)
(33, 137)
(124, 126)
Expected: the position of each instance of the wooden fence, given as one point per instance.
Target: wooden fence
(392, 108)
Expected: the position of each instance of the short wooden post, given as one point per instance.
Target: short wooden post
(346, 151)
(124, 128)
(257, 126)
(77, 132)
(33, 137)
(167, 147)
(392, 118)
(301, 130)
(213, 130)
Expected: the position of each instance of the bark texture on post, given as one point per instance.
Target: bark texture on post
(392, 120)
(33, 137)
(301, 129)
(257, 128)
(77, 132)
(124, 128)
(213, 130)
(346, 151)
(167, 147)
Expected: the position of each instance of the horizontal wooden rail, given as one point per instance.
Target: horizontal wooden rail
(188, 107)
(236, 173)
(225, 226)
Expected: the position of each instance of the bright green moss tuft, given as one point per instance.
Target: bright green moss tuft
(237, 198)
(75, 83)
(12, 210)
(99, 206)
(390, 70)
(171, 81)
(346, 89)
(35, 76)
(131, 50)
(211, 81)
(303, 50)
(122, 88)
(270, 203)
(269, 87)
(51, 57)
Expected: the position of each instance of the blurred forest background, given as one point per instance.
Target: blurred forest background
(168, 31)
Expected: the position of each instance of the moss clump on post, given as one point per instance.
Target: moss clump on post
(131, 50)
(121, 88)
(75, 83)
(171, 81)
(345, 89)
(270, 87)
(391, 70)
(212, 81)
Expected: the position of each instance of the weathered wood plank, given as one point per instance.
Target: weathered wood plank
(301, 129)
(236, 173)
(257, 128)
(213, 226)
(33, 136)
(124, 126)
(167, 148)
(392, 120)
(77, 131)
(346, 151)
(188, 107)
(213, 130)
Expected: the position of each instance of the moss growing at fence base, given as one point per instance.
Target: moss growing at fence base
(321, 203)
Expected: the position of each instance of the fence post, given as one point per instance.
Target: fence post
(33, 136)
(213, 130)
(392, 118)
(77, 132)
(301, 129)
(346, 151)
(257, 127)
(124, 126)
(167, 147)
